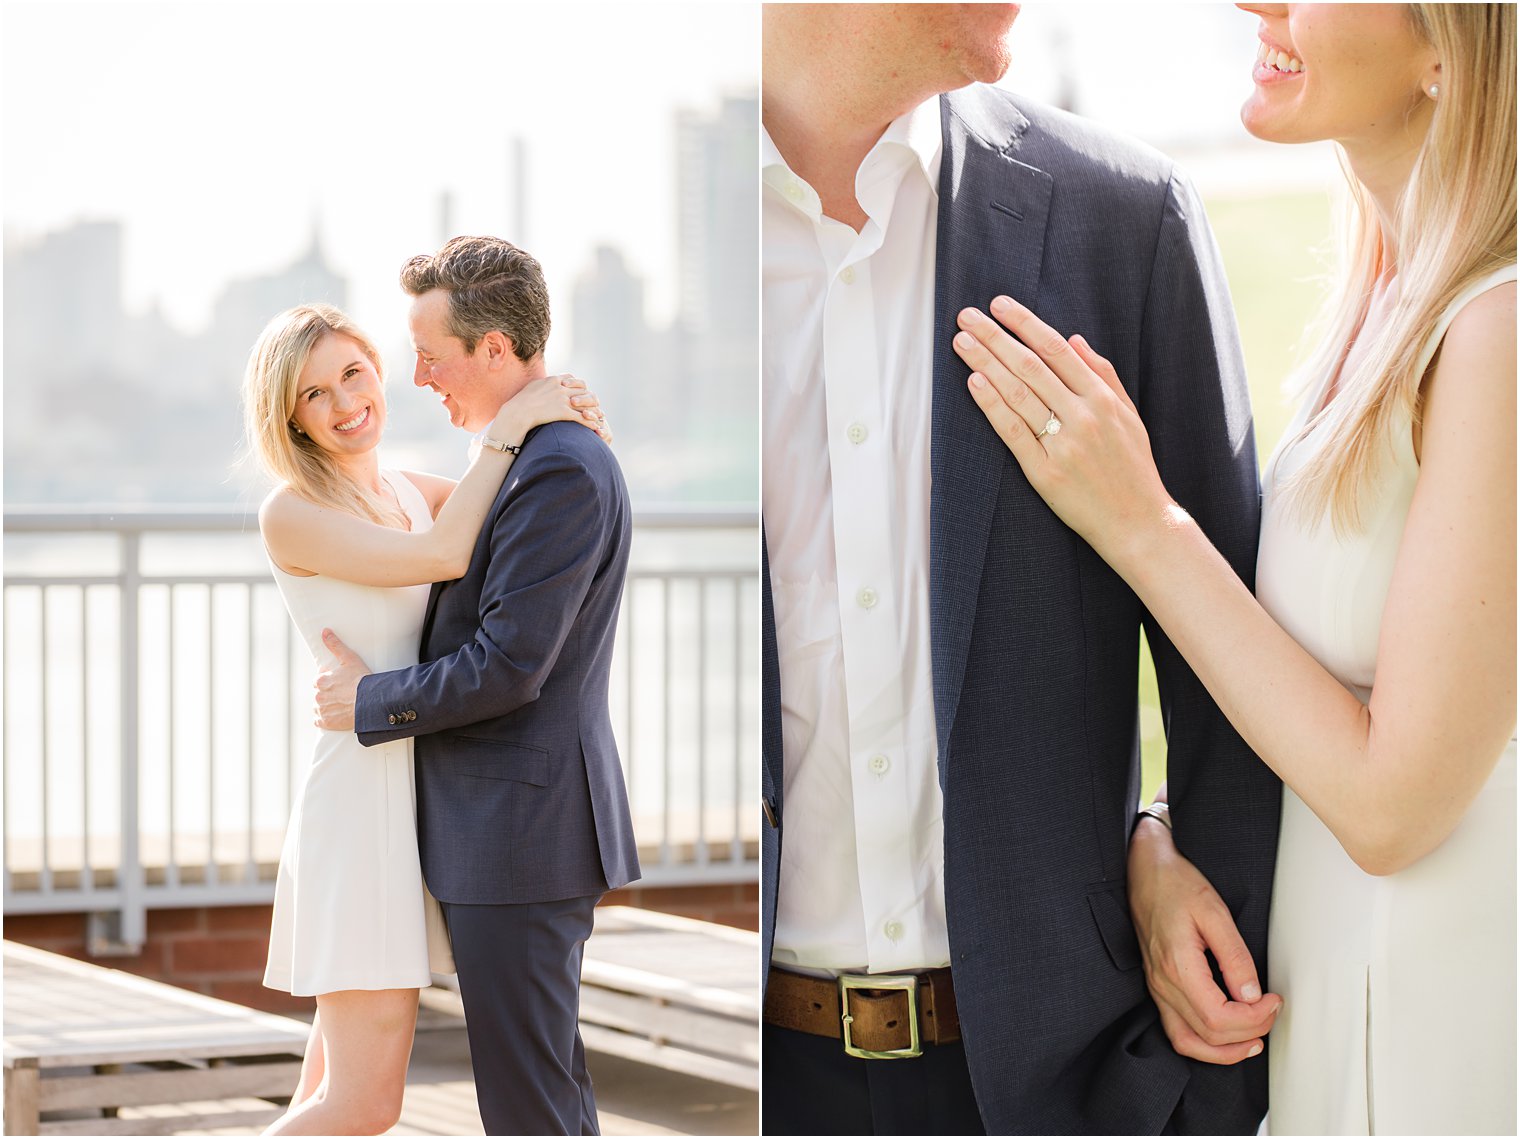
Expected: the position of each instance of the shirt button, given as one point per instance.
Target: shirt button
(866, 598)
(893, 930)
(847, 275)
(857, 433)
(793, 190)
(880, 765)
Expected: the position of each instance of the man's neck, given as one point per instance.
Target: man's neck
(524, 374)
(532, 370)
(825, 119)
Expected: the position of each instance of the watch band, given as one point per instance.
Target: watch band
(498, 445)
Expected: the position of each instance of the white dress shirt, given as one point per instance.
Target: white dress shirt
(847, 350)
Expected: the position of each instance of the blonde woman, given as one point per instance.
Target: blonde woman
(1375, 669)
(354, 548)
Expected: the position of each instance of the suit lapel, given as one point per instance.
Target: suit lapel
(481, 556)
(771, 766)
(993, 211)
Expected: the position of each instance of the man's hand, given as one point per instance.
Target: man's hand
(1178, 916)
(338, 685)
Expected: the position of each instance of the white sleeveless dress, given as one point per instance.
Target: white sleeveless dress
(350, 907)
(1399, 991)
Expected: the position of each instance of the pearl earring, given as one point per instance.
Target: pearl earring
(1435, 90)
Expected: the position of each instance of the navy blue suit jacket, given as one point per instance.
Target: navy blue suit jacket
(520, 794)
(1034, 640)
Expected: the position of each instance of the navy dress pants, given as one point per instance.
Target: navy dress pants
(520, 980)
(811, 1087)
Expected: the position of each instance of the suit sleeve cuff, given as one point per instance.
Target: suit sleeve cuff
(380, 715)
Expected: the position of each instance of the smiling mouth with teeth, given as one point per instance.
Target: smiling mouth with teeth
(350, 424)
(1275, 60)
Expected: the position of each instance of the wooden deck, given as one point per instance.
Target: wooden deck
(670, 1014)
(672, 992)
(72, 1031)
(632, 1098)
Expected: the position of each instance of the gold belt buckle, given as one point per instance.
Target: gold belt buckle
(908, 983)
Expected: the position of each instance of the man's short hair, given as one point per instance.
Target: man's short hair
(493, 285)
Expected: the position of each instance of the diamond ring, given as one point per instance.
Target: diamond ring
(1052, 427)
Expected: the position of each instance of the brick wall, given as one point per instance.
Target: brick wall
(217, 950)
(220, 950)
(736, 905)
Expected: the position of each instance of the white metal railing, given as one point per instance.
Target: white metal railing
(156, 709)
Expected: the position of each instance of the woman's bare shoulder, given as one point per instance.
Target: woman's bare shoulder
(284, 505)
(282, 516)
(280, 504)
(1470, 388)
(1479, 347)
(1484, 329)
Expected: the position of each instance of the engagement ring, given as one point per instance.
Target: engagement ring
(1052, 427)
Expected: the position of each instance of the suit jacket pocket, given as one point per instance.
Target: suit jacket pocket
(1110, 910)
(496, 759)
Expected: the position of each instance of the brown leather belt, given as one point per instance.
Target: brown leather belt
(887, 1016)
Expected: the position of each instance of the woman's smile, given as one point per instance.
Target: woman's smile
(355, 422)
(1273, 64)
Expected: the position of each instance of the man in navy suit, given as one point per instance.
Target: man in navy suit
(523, 818)
(950, 775)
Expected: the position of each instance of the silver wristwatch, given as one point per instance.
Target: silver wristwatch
(498, 445)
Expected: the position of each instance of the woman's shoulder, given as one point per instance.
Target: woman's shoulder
(284, 514)
(281, 504)
(1478, 322)
(1470, 387)
(281, 517)
(1480, 340)
(1486, 319)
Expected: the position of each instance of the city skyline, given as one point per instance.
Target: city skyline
(229, 182)
(215, 202)
(675, 389)
(116, 101)
(619, 234)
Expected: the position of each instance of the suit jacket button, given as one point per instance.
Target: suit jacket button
(410, 716)
(392, 719)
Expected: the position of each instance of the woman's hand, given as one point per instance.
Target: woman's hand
(1178, 918)
(545, 401)
(1062, 411)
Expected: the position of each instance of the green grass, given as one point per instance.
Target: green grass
(1276, 255)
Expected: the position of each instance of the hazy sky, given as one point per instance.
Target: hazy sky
(220, 132)
(1174, 75)
(1163, 71)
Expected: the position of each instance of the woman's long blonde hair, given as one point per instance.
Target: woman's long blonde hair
(269, 402)
(1454, 224)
